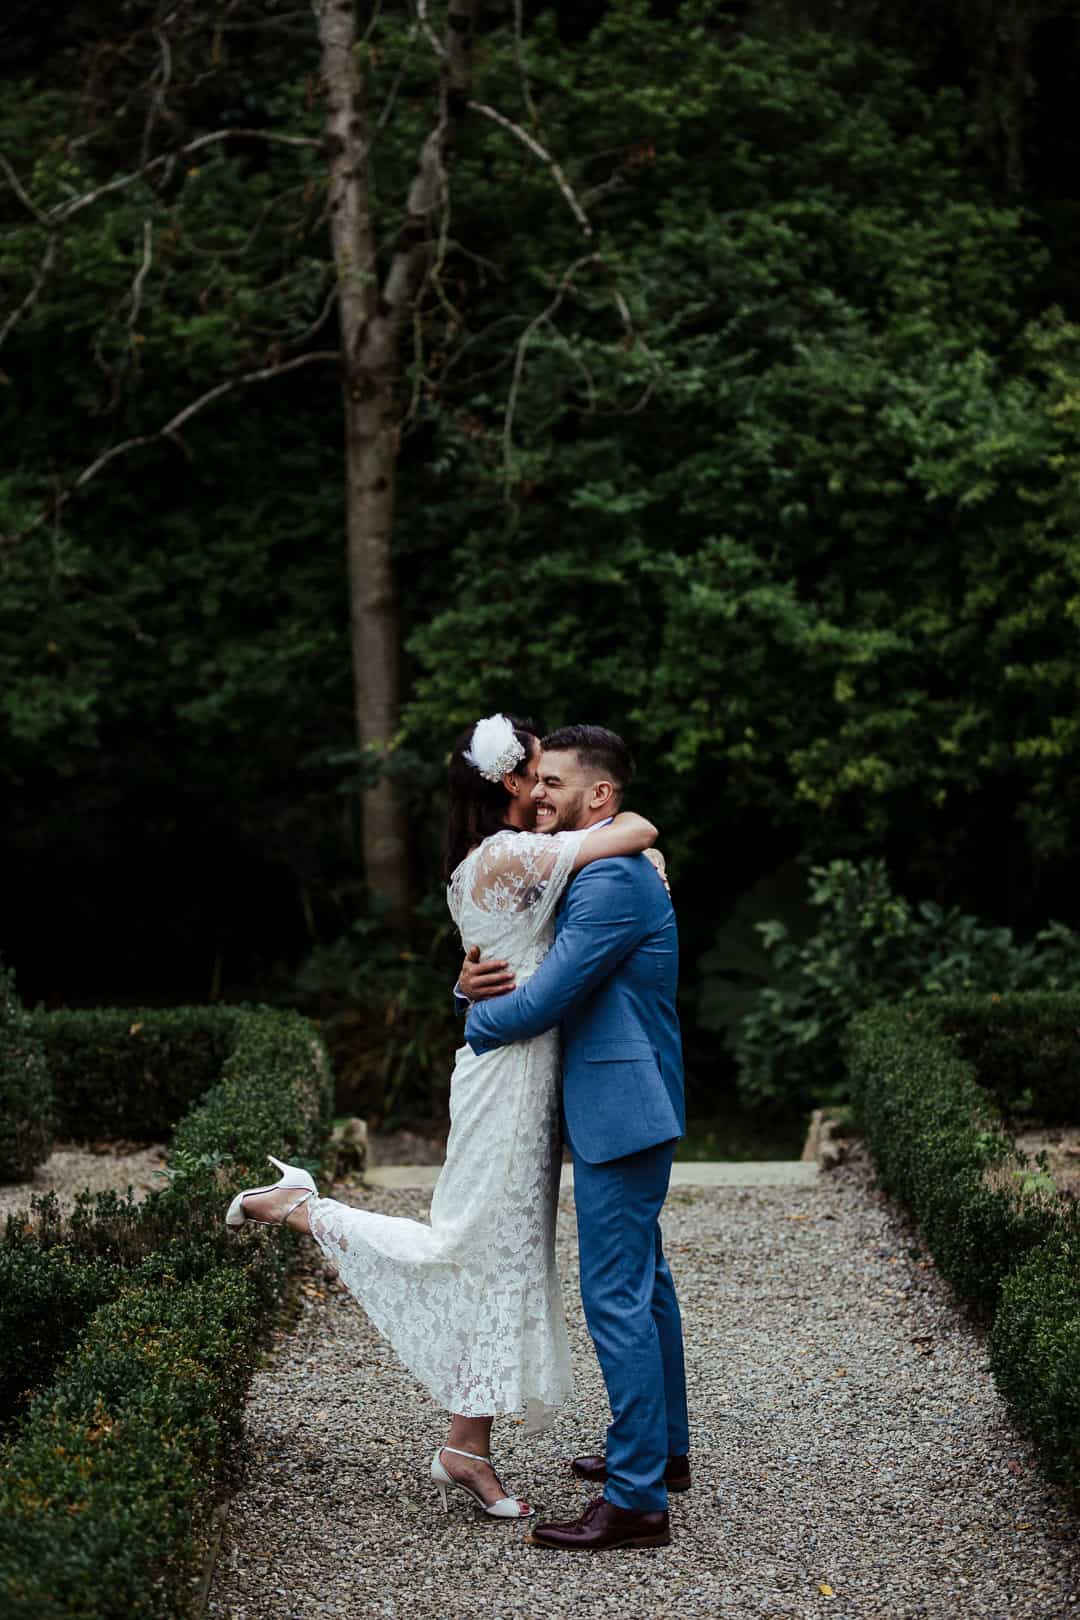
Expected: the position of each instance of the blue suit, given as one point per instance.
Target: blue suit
(610, 980)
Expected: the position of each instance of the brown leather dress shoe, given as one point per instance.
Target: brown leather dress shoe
(602, 1526)
(676, 1474)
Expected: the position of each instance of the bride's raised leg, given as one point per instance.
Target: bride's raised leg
(284, 1203)
(272, 1206)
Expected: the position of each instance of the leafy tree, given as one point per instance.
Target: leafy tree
(741, 425)
(785, 572)
(201, 254)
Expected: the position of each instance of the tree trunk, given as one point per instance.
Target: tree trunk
(370, 449)
(371, 324)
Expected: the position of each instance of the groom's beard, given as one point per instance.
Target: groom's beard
(567, 819)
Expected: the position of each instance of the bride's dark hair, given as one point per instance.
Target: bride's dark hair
(478, 807)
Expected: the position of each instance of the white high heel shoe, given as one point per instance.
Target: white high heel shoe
(507, 1507)
(291, 1176)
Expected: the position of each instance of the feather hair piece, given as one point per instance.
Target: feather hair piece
(493, 749)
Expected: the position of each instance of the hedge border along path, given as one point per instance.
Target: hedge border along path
(933, 1123)
(109, 1478)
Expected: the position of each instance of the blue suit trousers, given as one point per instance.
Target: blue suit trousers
(633, 1316)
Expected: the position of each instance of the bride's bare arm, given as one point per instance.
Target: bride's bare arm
(656, 859)
(628, 834)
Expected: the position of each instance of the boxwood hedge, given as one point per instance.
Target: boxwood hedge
(930, 1080)
(134, 1329)
(26, 1094)
(1035, 1350)
(131, 1073)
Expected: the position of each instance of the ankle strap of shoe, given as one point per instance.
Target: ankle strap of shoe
(475, 1455)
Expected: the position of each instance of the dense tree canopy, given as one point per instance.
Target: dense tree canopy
(739, 411)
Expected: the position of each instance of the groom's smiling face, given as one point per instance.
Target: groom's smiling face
(561, 793)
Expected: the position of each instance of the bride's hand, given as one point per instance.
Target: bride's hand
(656, 858)
(479, 981)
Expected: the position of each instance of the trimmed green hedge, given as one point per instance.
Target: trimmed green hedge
(1024, 1048)
(131, 1073)
(1035, 1350)
(46, 1298)
(936, 1133)
(26, 1093)
(927, 1079)
(152, 1318)
(105, 1480)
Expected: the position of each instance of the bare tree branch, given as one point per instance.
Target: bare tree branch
(16, 185)
(47, 262)
(429, 33)
(159, 89)
(614, 182)
(576, 209)
(373, 22)
(273, 24)
(483, 336)
(575, 360)
(129, 359)
(391, 100)
(545, 157)
(66, 210)
(519, 59)
(414, 262)
(309, 332)
(140, 278)
(520, 350)
(175, 423)
(170, 430)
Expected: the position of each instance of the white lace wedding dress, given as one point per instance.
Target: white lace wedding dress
(471, 1302)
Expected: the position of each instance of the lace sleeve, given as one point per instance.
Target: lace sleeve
(525, 872)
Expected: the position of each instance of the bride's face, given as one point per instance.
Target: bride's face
(521, 810)
(560, 793)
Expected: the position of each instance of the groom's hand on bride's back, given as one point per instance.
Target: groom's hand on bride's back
(479, 981)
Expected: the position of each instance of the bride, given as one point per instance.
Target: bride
(471, 1302)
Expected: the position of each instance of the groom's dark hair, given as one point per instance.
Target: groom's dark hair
(598, 750)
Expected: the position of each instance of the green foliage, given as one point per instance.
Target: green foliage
(156, 1317)
(737, 964)
(275, 1086)
(178, 608)
(134, 1072)
(776, 471)
(997, 1228)
(46, 1298)
(786, 564)
(1025, 1049)
(119, 1461)
(1035, 1350)
(131, 1073)
(938, 1139)
(26, 1091)
(871, 945)
(387, 1015)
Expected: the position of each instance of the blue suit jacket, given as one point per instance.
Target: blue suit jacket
(610, 980)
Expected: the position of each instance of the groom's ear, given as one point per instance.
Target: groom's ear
(603, 795)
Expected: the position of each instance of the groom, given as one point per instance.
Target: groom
(610, 980)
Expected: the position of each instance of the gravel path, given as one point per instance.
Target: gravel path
(851, 1457)
(73, 1167)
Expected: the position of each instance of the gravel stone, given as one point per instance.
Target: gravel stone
(851, 1456)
